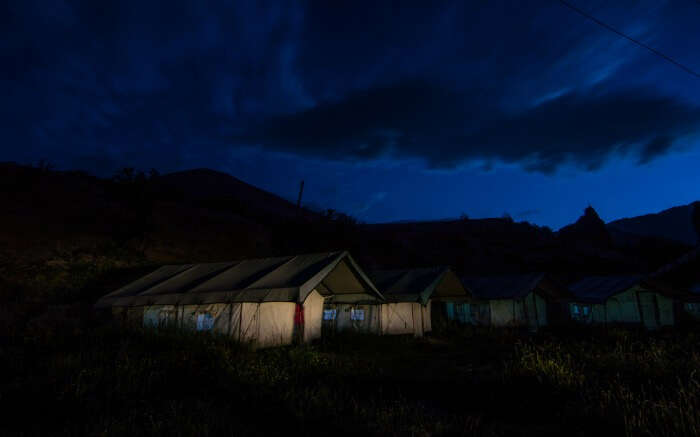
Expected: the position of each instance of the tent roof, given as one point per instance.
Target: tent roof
(693, 294)
(599, 288)
(281, 279)
(502, 287)
(679, 262)
(682, 274)
(418, 285)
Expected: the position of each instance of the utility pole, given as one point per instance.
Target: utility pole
(301, 192)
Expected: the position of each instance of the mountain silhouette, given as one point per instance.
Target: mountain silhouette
(589, 229)
(203, 215)
(680, 224)
(223, 191)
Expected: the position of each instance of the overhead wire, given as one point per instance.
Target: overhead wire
(636, 41)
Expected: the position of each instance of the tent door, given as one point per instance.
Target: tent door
(649, 310)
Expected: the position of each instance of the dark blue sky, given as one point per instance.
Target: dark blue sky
(388, 113)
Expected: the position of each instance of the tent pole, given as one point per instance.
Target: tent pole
(605, 310)
(240, 323)
(534, 303)
(657, 311)
(639, 307)
(230, 319)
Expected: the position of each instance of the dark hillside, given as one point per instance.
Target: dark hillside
(589, 229)
(56, 222)
(221, 191)
(677, 224)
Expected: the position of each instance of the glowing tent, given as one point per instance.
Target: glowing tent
(268, 302)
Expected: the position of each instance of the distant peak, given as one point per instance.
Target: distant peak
(590, 213)
(589, 227)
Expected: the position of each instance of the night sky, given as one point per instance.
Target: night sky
(388, 113)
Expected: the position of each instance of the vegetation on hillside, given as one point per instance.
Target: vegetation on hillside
(201, 216)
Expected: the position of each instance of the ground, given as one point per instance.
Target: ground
(95, 378)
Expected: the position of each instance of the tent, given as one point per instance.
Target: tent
(683, 277)
(410, 295)
(691, 304)
(526, 300)
(629, 299)
(267, 302)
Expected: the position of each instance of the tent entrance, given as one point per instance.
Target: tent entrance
(648, 309)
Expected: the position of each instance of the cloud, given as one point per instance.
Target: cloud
(446, 128)
(171, 84)
(372, 200)
(656, 147)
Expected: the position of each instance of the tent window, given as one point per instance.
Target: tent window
(150, 322)
(329, 314)
(460, 314)
(205, 322)
(158, 318)
(357, 314)
(580, 312)
(165, 317)
(450, 309)
(479, 313)
(463, 312)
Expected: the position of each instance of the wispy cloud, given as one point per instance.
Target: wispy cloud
(156, 83)
(445, 128)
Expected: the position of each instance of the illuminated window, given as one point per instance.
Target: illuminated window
(158, 318)
(329, 314)
(461, 311)
(205, 322)
(580, 312)
(357, 314)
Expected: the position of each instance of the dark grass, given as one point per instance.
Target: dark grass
(90, 377)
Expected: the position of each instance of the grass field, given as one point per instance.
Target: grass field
(66, 371)
(91, 377)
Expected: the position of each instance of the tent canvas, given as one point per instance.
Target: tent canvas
(351, 317)
(622, 300)
(682, 277)
(267, 302)
(410, 294)
(525, 300)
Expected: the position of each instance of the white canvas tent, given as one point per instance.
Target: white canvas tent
(682, 280)
(410, 294)
(267, 302)
(691, 302)
(621, 300)
(510, 301)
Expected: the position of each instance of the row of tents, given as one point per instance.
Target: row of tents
(283, 300)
